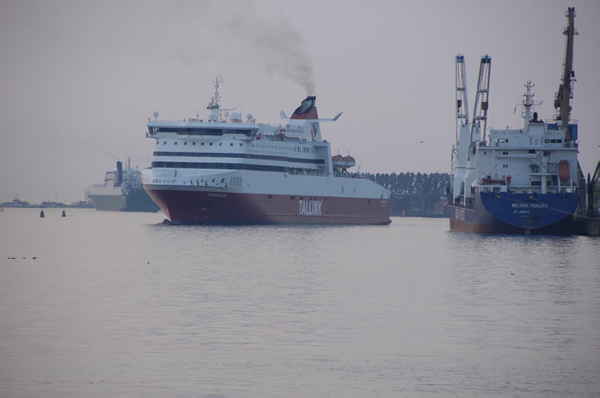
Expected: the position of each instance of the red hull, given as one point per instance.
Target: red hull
(198, 207)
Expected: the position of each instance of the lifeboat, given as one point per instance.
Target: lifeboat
(343, 162)
(505, 180)
(564, 171)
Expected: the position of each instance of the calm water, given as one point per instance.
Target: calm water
(120, 303)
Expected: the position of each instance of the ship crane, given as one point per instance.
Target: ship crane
(481, 100)
(462, 106)
(461, 148)
(565, 90)
(478, 125)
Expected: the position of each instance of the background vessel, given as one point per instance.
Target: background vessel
(122, 191)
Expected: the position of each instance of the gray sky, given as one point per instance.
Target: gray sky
(81, 78)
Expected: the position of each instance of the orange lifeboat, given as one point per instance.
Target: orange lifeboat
(492, 181)
(343, 162)
(564, 171)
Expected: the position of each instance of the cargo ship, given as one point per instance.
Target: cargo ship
(226, 170)
(515, 181)
(122, 191)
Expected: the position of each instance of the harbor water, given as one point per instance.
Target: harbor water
(120, 303)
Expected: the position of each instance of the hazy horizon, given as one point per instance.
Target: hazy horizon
(81, 79)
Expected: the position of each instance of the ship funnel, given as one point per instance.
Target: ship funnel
(307, 110)
(119, 175)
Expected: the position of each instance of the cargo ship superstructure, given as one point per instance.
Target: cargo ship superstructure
(519, 181)
(121, 191)
(225, 170)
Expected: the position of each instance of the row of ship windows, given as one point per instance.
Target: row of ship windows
(199, 131)
(193, 143)
(241, 155)
(533, 141)
(283, 148)
(277, 147)
(532, 151)
(236, 166)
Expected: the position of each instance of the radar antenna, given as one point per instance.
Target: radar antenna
(214, 102)
(565, 89)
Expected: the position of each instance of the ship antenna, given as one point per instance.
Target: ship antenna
(528, 102)
(565, 89)
(214, 102)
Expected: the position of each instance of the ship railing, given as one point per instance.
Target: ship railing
(301, 171)
(283, 137)
(553, 121)
(348, 175)
(552, 189)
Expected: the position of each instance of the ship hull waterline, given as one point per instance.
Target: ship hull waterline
(550, 214)
(221, 207)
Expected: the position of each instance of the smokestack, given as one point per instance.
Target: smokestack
(307, 110)
(119, 176)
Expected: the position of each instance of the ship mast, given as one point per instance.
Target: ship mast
(214, 101)
(565, 89)
(528, 103)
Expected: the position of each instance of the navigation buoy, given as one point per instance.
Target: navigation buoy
(64, 214)
(42, 214)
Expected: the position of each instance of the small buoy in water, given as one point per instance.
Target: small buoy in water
(42, 214)
(64, 214)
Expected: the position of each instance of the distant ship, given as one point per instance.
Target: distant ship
(17, 202)
(522, 181)
(122, 191)
(227, 171)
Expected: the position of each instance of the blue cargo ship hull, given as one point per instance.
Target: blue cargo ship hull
(517, 213)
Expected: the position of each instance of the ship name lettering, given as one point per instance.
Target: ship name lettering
(310, 207)
(530, 205)
(217, 195)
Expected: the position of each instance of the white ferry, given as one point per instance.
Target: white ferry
(225, 170)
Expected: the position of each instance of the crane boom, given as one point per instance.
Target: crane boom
(462, 106)
(565, 89)
(481, 99)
